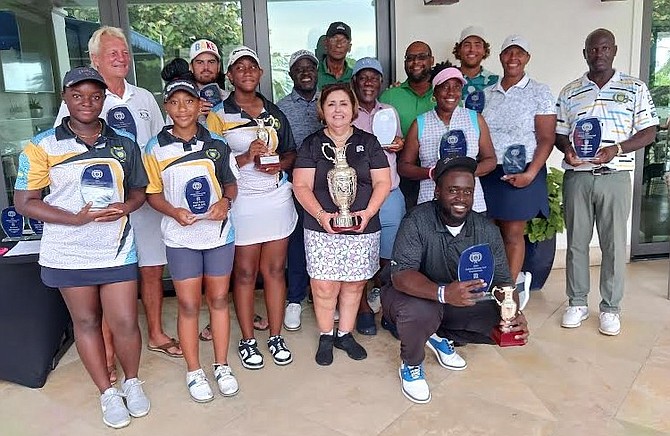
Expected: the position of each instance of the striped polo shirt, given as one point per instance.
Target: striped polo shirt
(173, 167)
(623, 106)
(56, 159)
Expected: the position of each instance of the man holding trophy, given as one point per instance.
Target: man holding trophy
(445, 259)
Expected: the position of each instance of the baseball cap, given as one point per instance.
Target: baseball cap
(203, 46)
(82, 74)
(472, 31)
(240, 52)
(517, 40)
(446, 163)
(180, 85)
(339, 27)
(364, 63)
(446, 74)
(302, 54)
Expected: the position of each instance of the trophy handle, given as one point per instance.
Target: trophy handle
(325, 146)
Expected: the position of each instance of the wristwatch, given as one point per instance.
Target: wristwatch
(619, 149)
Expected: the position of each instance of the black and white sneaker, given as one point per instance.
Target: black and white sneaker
(280, 354)
(249, 354)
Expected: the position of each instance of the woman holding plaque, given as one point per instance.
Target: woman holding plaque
(260, 138)
(521, 114)
(192, 182)
(95, 178)
(445, 132)
(341, 256)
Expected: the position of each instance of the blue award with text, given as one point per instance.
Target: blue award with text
(586, 138)
(453, 144)
(211, 93)
(97, 185)
(120, 118)
(36, 226)
(477, 262)
(514, 159)
(198, 193)
(12, 224)
(475, 101)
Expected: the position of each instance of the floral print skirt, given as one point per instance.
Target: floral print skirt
(338, 257)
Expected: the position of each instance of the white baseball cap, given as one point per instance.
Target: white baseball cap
(517, 40)
(241, 52)
(203, 46)
(472, 31)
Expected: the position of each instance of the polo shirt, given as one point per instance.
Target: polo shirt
(525, 100)
(135, 112)
(172, 166)
(482, 80)
(325, 77)
(56, 159)
(301, 114)
(408, 103)
(424, 244)
(364, 122)
(623, 106)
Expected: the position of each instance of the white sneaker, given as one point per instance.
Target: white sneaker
(413, 383)
(292, 317)
(610, 324)
(574, 315)
(136, 401)
(198, 386)
(227, 382)
(446, 355)
(114, 412)
(374, 300)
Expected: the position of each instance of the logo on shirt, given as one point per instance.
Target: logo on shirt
(360, 148)
(119, 153)
(620, 97)
(273, 122)
(213, 154)
(144, 114)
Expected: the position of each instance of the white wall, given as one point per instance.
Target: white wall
(556, 30)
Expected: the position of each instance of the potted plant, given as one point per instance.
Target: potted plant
(35, 107)
(541, 232)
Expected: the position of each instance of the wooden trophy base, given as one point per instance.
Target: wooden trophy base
(266, 161)
(505, 339)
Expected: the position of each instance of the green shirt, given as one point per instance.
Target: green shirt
(325, 77)
(408, 103)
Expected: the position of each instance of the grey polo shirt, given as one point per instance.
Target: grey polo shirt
(425, 245)
(301, 115)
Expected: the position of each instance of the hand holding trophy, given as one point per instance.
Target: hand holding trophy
(506, 334)
(270, 159)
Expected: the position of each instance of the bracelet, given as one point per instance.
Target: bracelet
(318, 216)
(440, 294)
(619, 149)
(430, 173)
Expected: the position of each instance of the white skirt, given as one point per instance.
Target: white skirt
(264, 217)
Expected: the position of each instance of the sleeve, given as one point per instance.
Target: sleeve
(286, 141)
(546, 103)
(563, 121)
(215, 124)
(62, 113)
(137, 175)
(229, 175)
(398, 131)
(305, 158)
(408, 247)
(157, 122)
(33, 171)
(645, 111)
(378, 158)
(153, 170)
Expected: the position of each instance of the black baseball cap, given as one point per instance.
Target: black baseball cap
(180, 85)
(339, 27)
(445, 164)
(82, 74)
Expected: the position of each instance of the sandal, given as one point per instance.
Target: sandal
(206, 333)
(165, 348)
(260, 323)
(111, 371)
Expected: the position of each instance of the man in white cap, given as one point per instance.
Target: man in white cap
(471, 49)
(300, 109)
(206, 65)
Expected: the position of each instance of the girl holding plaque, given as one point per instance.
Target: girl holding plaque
(260, 138)
(339, 264)
(446, 132)
(192, 182)
(95, 178)
(521, 114)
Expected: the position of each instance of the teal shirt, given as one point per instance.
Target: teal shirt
(324, 77)
(484, 79)
(408, 104)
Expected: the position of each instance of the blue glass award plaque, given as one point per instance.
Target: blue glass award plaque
(586, 138)
(120, 118)
(36, 226)
(475, 101)
(453, 144)
(12, 224)
(514, 159)
(477, 262)
(211, 93)
(385, 126)
(198, 193)
(97, 185)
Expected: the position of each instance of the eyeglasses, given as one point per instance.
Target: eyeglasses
(417, 57)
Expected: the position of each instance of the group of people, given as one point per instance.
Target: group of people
(236, 185)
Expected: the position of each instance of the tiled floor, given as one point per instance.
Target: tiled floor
(564, 382)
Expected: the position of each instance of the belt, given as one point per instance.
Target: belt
(602, 170)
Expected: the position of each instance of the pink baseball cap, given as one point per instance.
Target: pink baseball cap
(446, 74)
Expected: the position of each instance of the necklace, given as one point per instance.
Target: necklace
(81, 135)
(339, 140)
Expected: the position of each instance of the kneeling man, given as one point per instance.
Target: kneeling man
(424, 299)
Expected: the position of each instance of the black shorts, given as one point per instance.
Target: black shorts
(72, 278)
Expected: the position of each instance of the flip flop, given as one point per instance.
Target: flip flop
(202, 337)
(257, 323)
(164, 348)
